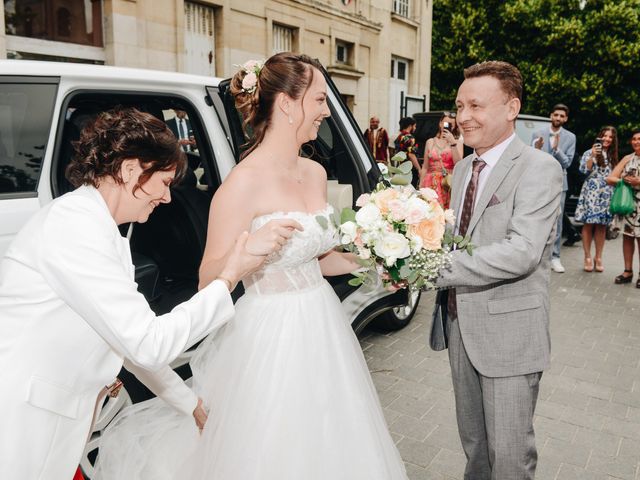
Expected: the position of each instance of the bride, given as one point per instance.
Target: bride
(285, 384)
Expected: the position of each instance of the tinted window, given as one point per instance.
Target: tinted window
(25, 122)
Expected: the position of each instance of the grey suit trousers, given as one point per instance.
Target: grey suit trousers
(495, 418)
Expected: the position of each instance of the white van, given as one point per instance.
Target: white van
(43, 107)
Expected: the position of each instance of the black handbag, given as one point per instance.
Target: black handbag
(439, 338)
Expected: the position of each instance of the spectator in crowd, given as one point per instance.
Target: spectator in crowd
(378, 140)
(628, 170)
(595, 196)
(181, 128)
(561, 144)
(406, 142)
(441, 153)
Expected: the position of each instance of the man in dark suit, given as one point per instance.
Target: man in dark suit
(181, 128)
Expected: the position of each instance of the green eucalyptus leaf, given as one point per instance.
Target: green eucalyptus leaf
(413, 278)
(404, 272)
(464, 242)
(401, 179)
(457, 239)
(347, 215)
(405, 167)
(355, 282)
(322, 220)
(469, 249)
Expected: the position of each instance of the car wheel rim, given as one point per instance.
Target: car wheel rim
(405, 311)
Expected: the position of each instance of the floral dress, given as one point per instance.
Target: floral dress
(440, 164)
(631, 223)
(595, 196)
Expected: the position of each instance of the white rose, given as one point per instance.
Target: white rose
(416, 243)
(391, 247)
(449, 216)
(417, 210)
(429, 193)
(368, 216)
(349, 231)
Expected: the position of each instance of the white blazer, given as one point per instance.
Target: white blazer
(70, 314)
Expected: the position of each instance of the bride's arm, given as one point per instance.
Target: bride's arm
(230, 214)
(233, 207)
(338, 263)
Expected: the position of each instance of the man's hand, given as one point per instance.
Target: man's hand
(200, 415)
(538, 143)
(272, 236)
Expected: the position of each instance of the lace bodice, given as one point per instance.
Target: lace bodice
(295, 267)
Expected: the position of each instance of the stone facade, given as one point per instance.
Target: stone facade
(355, 40)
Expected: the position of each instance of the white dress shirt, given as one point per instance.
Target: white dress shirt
(490, 157)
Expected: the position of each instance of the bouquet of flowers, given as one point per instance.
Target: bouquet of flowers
(399, 234)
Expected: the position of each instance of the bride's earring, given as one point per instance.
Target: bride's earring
(290, 120)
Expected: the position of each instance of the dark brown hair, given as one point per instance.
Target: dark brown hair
(612, 151)
(560, 106)
(121, 134)
(508, 75)
(282, 73)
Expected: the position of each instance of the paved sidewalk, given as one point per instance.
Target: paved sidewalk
(588, 415)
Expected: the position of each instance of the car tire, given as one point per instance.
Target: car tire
(398, 317)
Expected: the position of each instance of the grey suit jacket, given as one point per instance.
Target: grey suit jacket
(563, 153)
(503, 288)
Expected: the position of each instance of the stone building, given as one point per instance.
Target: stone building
(376, 51)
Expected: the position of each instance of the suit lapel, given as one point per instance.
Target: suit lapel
(457, 189)
(498, 173)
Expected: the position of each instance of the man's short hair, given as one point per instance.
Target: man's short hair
(406, 122)
(509, 76)
(560, 106)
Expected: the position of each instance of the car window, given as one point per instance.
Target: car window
(25, 121)
(526, 127)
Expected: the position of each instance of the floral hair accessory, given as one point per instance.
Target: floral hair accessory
(252, 70)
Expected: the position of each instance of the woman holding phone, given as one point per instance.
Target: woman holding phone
(628, 170)
(441, 153)
(595, 196)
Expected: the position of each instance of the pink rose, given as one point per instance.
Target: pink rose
(249, 82)
(363, 200)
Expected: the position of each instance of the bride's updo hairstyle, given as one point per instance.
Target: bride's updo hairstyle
(255, 96)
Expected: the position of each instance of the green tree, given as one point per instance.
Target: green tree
(585, 53)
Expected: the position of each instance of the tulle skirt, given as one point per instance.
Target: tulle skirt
(289, 397)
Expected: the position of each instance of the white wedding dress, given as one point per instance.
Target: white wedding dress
(286, 383)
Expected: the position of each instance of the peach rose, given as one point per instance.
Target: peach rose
(383, 198)
(430, 230)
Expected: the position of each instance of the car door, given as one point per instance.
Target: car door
(26, 113)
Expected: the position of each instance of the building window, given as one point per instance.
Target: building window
(344, 53)
(401, 7)
(283, 38)
(78, 21)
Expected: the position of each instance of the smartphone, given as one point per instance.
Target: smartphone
(446, 126)
(598, 141)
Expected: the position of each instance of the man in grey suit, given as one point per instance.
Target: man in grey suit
(506, 196)
(561, 144)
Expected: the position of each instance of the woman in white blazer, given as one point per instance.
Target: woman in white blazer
(70, 312)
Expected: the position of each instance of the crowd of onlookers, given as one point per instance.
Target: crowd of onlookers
(601, 165)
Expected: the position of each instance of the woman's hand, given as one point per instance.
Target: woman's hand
(272, 236)
(200, 415)
(448, 136)
(633, 181)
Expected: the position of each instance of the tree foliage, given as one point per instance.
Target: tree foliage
(584, 53)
